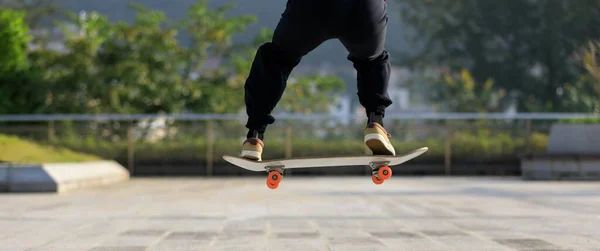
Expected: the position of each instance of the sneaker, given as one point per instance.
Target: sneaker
(378, 140)
(252, 149)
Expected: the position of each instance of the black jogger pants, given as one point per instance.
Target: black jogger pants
(360, 25)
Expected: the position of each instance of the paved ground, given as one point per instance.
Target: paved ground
(308, 214)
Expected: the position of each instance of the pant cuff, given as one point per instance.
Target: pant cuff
(377, 111)
(259, 124)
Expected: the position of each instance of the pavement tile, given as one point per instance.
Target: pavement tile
(342, 213)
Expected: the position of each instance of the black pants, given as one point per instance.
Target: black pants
(360, 25)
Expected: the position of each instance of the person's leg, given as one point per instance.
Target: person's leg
(296, 34)
(365, 43)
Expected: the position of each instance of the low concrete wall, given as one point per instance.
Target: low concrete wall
(3, 178)
(60, 177)
(556, 167)
(573, 154)
(574, 139)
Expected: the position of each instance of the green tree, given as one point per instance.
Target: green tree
(39, 15)
(141, 68)
(523, 45)
(14, 34)
(141, 65)
(580, 95)
(73, 83)
(589, 58)
(459, 92)
(211, 35)
(20, 90)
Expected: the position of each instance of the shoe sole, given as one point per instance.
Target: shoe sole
(253, 155)
(379, 145)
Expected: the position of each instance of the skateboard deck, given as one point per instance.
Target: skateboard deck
(379, 164)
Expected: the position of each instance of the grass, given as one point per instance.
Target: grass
(18, 150)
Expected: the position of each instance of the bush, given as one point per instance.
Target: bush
(585, 121)
(479, 146)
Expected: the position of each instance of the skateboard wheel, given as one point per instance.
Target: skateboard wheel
(384, 172)
(376, 180)
(272, 185)
(274, 179)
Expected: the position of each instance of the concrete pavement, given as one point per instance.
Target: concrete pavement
(323, 213)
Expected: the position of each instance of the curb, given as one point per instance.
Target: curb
(60, 177)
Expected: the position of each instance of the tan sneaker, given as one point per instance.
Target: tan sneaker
(378, 140)
(252, 149)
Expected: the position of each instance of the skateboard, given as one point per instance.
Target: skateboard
(380, 164)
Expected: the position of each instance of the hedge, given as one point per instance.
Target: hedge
(480, 146)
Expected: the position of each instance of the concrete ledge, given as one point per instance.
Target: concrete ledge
(573, 153)
(560, 168)
(60, 177)
(581, 139)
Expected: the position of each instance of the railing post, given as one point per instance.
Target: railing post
(288, 140)
(209, 147)
(51, 131)
(528, 146)
(288, 144)
(448, 148)
(130, 149)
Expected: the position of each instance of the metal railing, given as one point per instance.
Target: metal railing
(131, 138)
(200, 117)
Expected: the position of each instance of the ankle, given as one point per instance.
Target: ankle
(253, 134)
(376, 118)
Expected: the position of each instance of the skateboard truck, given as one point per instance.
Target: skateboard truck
(275, 176)
(380, 171)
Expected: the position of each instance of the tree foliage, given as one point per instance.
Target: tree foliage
(589, 58)
(523, 45)
(15, 38)
(40, 14)
(20, 89)
(458, 91)
(140, 67)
